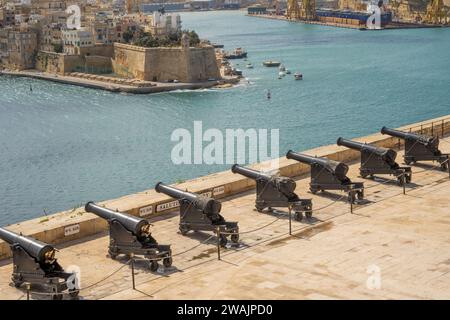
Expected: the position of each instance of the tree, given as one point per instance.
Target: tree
(58, 47)
(128, 35)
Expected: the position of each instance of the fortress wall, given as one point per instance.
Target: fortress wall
(164, 64)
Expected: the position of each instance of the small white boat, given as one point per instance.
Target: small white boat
(249, 66)
(298, 76)
(281, 74)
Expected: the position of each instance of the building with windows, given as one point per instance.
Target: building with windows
(75, 40)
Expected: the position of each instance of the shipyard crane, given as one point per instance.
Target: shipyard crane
(436, 12)
(301, 10)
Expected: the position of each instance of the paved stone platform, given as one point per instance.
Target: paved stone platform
(402, 240)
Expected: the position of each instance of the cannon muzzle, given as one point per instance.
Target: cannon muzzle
(135, 225)
(249, 173)
(42, 252)
(205, 204)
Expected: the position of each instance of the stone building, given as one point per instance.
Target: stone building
(21, 48)
(164, 24)
(185, 64)
(75, 40)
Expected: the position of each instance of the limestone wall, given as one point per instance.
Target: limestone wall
(77, 224)
(164, 64)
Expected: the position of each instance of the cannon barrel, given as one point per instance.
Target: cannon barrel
(408, 135)
(175, 193)
(206, 204)
(338, 168)
(129, 222)
(352, 144)
(38, 250)
(386, 154)
(249, 173)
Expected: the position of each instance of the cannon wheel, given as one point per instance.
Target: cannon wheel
(401, 180)
(223, 240)
(360, 195)
(57, 296)
(259, 208)
(351, 197)
(167, 262)
(73, 293)
(298, 216)
(408, 178)
(183, 230)
(112, 255)
(235, 237)
(153, 265)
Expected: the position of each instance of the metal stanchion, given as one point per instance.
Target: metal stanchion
(351, 202)
(28, 286)
(404, 183)
(290, 220)
(132, 271)
(218, 243)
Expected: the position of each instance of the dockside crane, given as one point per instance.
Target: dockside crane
(436, 12)
(301, 10)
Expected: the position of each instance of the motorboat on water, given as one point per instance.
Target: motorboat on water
(249, 66)
(298, 76)
(271, 63)
(237, 53)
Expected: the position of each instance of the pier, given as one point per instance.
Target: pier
(152, 87)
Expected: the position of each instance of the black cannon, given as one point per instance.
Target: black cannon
(131, 235)
(34, 263)
(201, 213)
(327, 174)
(419, 147)
(377, 160)
(274, 191)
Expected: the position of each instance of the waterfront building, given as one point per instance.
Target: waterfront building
(165, 23)
(75, 40)
(21, 48)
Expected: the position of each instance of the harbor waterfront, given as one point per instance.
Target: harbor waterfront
(65, 145)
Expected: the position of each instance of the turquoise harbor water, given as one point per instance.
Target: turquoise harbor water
(61, 146)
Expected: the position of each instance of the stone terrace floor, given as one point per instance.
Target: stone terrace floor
(404, 237)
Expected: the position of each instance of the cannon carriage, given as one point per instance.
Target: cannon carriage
(276, 192)
(327, 174)
(419, 147)
(378, 160)
(130, 235)
(201, 213)
(35, 263)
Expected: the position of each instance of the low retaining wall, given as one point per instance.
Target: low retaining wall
(77, 224)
